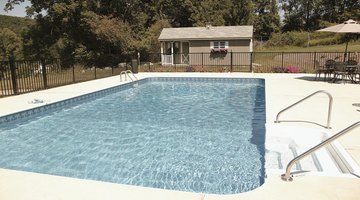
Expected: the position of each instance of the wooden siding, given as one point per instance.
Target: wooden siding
(210, 59)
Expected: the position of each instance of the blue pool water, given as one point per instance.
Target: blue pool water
(198, 135)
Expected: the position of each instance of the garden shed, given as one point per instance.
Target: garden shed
(209, 45)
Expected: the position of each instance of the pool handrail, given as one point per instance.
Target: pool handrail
(329, 109)
(126, 73)
(288, 176)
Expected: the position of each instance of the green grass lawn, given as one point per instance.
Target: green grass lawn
(352, 47)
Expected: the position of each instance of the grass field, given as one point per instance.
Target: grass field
(352, 47)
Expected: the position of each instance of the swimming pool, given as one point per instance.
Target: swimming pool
(191, 134)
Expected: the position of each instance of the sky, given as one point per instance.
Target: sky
(18, 11)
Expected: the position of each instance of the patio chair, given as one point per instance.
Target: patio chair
(339, 72)
(319, 69)
(327, 69)
(353, 70)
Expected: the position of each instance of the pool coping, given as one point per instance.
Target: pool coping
(13, 181)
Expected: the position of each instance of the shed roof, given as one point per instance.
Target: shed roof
(206, 33)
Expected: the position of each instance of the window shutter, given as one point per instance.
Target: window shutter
(211, 45)
(226, 44)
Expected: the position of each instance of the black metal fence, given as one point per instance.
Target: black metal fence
(261, 62)
(17, 77)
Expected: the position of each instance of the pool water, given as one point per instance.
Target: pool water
(198, 136)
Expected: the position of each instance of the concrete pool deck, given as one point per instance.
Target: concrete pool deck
(282, 90)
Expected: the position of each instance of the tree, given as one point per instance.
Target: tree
(10, 44)
(111, 37)
(240, 13)
(150, 43)
(308, 15)
(340, 10)
(267, 20)
(208, 11)
(72, 27)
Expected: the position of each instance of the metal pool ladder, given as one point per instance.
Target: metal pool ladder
(127, 73)
(329, 109)
(288, 176)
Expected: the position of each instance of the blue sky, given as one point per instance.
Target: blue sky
(19, 10)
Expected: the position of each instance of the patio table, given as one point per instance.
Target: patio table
(344, 72)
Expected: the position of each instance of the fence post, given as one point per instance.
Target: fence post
(44, 75)
(13, 76)
(73, 71)
(315, 60)
(231, 61)
(251, 62)
(282, 59)
(95, 71)
(202, 59)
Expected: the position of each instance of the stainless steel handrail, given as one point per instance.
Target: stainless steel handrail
(329, 110)
(288, 177)
(126, 73)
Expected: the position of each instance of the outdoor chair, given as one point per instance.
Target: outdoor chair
(353, 70)
(356, 75)
(319, 70)
(327, 69)
(339, 71)
(345, 70)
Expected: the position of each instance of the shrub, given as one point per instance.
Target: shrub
(279, 70)
(288, 39)
(292, 69)
(190, 69)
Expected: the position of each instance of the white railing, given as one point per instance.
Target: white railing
(166, 59)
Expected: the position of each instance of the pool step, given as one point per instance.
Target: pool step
(280, 151)
(283, 143)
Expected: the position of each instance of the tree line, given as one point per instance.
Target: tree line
(103, 32)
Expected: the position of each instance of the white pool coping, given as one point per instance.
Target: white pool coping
(281, 91)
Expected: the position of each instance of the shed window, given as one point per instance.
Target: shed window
(219, 45)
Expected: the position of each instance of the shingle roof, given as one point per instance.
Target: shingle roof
(203, 33)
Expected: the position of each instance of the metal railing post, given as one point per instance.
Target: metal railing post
(95, 71)
(251, 62)
(320, 91)
(231, 61)
(73, 72)
(202, 59)
(44, 75)
(13, 76)
(314, 60)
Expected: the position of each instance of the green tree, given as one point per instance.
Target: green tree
(16, 24)
(340, 10)
(267, 19)
(10, 44)
(208, 11)
(301, 15)
(240, 13)
(110, 37)
(308, 15)
(71, 27)
(150, 43)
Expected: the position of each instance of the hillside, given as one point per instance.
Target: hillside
(16, 24)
